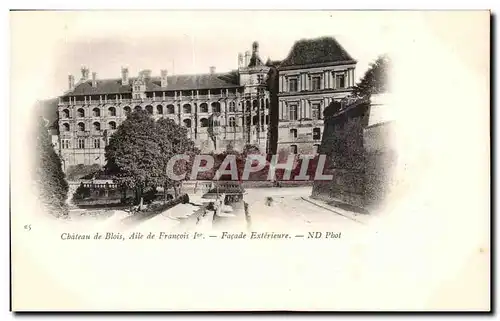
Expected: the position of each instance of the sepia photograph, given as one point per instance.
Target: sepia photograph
(250, 160)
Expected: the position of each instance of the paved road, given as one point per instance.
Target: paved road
(290, 211)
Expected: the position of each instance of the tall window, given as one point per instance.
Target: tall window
(216, 107)
(65, 113)
(316, 83)
(97, 126)
(149, 109)
(232, 122)
(315, 149)
(293, 149)
(315, 111)
(293, 112)
(204, 122)
(292, 85)
(187, 123)
(170, 109)
(66, 127)
(65, 143)
(340, 81)
(112, 111)
(96, 112)
(186, 109)
(316, 133)
(127, 110)
(112, 125)
(232, 107)
(81, 112)
(159, 109)
(81, 127)
(81, 143)
(97, 143)
(293, 133)
(203, 108)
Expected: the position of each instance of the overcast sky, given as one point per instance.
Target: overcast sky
(189, 42)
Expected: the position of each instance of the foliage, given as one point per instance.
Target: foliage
(375, 80)
(80, 171)
(48, 174)
(82, 192)
(139, 150)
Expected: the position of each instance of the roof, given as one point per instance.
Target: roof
(175, 82)
(316, 51)
(255, 61)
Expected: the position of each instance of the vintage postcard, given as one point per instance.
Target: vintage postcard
(250, 160)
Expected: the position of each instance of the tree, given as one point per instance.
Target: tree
(139, 151)
(132, 154)
(375, 79)
(172, 139)
(48, 174)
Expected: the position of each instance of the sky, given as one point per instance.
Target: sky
(187, 42)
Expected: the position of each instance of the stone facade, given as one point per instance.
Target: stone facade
(241, 106)
(315, 73)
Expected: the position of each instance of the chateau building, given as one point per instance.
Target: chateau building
(218, 109)
(315, 73)
(235, 105)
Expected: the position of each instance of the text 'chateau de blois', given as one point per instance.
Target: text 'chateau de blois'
(277, 105)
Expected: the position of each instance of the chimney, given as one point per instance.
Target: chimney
(85, 73)
(212, 70)
(94, 79)
(125, 80)
(164, 81)
(240, 60)
(71, 82)
(255, 48)
(247, 58)
(145, 74)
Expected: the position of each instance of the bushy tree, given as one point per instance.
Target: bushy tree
(139, 150)
(48, 175)
(375, 79)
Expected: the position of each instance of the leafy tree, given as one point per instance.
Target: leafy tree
(48, 174)
(132, 154)
(172, 139)
(375, 79)
(139, 151)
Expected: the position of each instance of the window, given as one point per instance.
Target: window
(293, 149)
(293, 112)
(186, 109)
(112, 125)
(65, 143)
(204, 122)
(81, 112)
(216, 107)
(316, 133)
(65, 113)
(137, 108)
(170, 109)
(149, 109)
(267, 119)
(316, 83)
(97, 143)
(292, 85)
(203, 108)
(97, 126)
(127, 110)
(112, 111)
(255, 120)
(340, 81)
(232, 106)
(316, 149)
(293, 133)
(267, 103)
(137, 88)
(137, 96)
(260, 79)
(159, 109)
(96, 112)
(187, 123)
(315, 111)
(81, 127)
(81, 143)
(65, 127)
(232, 122)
